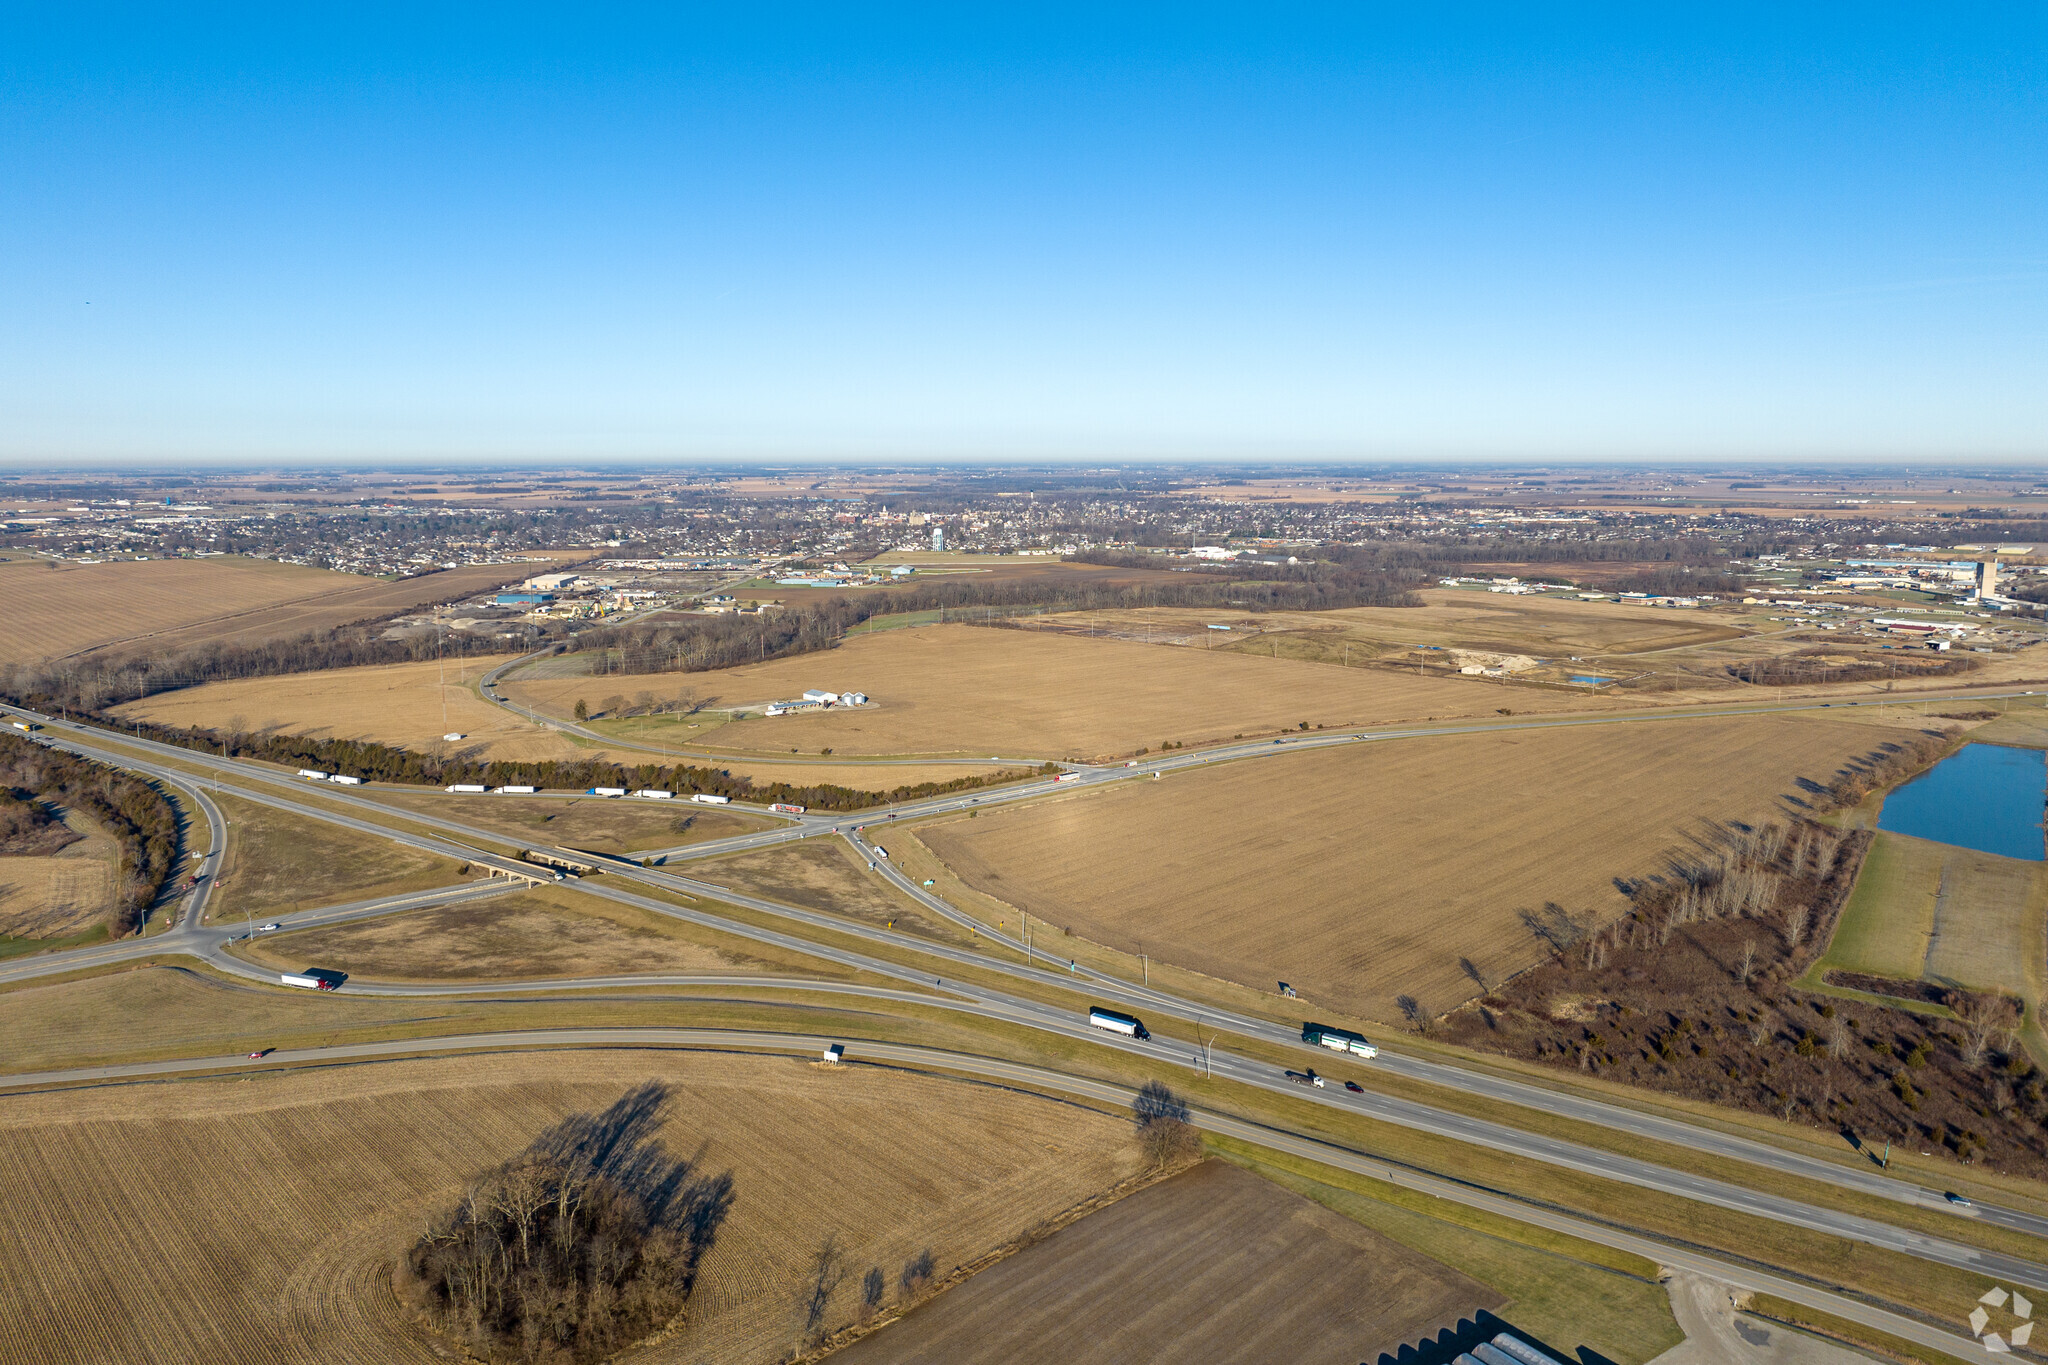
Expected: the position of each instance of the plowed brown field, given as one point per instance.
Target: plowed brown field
(256, 1221)
(167, 604)
(1365, 873)
(1214, 1265)
(966, 690)
(411, 705)
(403, 705)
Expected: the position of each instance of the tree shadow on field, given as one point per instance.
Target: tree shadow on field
(623, 1144)
(1553, 926)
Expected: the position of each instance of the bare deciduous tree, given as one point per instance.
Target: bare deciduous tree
(872, 1285)
(828, 1271)
(916, 1276)
(1795, 923)
(1838, 1037)
(1164, 1128)
(1745, 967)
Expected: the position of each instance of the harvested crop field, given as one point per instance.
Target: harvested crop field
(1370, 872)
(169, 604)
(408, 705)
(579, 822)
(256, 1221)
(277, 861)
(969, 690)
(524, 936)
(1454, 618)
(1215, 1264)
(402, 705)
(63, 893)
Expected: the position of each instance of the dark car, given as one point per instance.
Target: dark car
(1354, 1087)
(1958, 1199)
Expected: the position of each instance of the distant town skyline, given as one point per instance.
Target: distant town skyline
(907, 236)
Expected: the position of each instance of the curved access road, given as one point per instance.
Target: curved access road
(1101, 1092)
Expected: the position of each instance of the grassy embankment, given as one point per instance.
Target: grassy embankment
(278, 862)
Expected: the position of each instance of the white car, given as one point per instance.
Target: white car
(272, 927)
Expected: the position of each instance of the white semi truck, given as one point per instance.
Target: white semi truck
(1116, 1021)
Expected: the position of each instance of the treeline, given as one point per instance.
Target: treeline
(1811, 667)
(376, 762)
(1696, 550)
(574, 1249)
(143, 823)
(1678, 581)
(91, 684)
(692, 645)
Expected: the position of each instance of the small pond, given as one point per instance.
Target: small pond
(1983, 796)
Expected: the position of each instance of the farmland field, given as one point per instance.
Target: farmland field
(256, 1221)
(168, 604)
(410, 705)
(277, 861)
(966, 690)
(1215, 1264)
(63, 893)
(402, 705)
(1457, 618)
(523, 936)
(1369, 872)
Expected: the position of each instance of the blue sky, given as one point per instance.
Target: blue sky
(1237, 233)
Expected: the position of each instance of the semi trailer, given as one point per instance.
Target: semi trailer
(1338, 1040)
(1116, 1021)
(315, 979)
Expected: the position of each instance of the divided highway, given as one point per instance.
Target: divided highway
(1727, 1272)
(998, 1005)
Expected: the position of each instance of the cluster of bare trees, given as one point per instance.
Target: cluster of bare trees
(1821, 666)
(28, 828)
(1166, 1132)
(580, 1245)
(1761, 874)
(139, 817)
